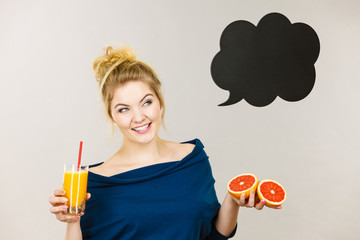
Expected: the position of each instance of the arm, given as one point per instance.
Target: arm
(58, 202)
(73, 231)
(227, 216)
(228, 213)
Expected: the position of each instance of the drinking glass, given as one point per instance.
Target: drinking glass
(75, 186)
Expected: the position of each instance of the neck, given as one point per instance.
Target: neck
(142, 153)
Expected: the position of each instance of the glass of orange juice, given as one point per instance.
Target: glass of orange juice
(75, 186)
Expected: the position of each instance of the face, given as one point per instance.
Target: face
(136, 111)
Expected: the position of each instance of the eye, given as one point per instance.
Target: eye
(147, 102)
(121, 110)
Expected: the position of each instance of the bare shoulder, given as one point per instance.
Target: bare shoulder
(104, 169)
(187, 147)
(180, 150)
(97, 169)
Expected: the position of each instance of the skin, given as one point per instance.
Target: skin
(134, 105)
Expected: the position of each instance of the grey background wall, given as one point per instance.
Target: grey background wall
(49, 102)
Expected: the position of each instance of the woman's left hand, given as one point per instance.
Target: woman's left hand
(252, 201)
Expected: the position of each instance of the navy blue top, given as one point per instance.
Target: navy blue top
(172, 200)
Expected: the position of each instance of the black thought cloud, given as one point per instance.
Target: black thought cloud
(259, 63)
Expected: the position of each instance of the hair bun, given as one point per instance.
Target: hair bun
(112, 58)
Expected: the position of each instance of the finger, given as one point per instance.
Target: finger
(260, 205)
(242, 199)
(88, 196)
(57, 200)
(237, 200)
(59, 192)
(58, 209)
(251, 199)
(257, 199)
(67, 218)
(276, 207)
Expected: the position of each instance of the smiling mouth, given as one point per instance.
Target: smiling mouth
(142, 128)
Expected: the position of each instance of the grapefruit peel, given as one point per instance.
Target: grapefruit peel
(273, 187)
(245, 181)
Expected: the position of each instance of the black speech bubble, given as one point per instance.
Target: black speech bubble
(259, 63)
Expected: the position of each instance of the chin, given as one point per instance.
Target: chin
(143, 139)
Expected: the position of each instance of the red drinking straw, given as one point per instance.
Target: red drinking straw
(79, 160)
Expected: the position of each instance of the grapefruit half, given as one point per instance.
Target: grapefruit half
(242, 183)
(272, 192)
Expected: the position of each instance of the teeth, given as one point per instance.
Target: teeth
(141, 128)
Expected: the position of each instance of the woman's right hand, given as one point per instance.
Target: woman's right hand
(58, 202)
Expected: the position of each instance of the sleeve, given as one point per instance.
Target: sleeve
(215, 235)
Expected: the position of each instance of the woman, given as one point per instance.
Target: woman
(151, 188)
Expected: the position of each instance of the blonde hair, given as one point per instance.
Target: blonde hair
(118, 66)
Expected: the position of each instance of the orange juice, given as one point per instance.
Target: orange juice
(75, 186)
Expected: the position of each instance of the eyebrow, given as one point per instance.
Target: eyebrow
(123, 104)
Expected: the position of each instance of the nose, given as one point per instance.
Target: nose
(138, 116)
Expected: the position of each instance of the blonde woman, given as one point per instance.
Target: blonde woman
(150, 188)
